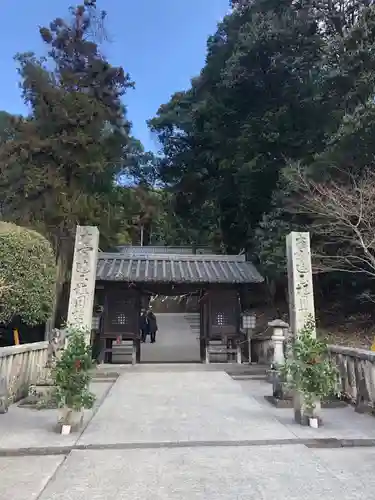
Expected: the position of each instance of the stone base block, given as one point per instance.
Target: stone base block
(362, 407)
(41, 391)
(3, 404)
(270, 376)
(303, 419)
(334, 403)
(279, 403)
(280, 391)
(302, 413)
(40, 397)
(67, 416)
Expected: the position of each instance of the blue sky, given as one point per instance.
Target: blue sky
(161, 43)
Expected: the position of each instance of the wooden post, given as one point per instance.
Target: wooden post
(16, 337)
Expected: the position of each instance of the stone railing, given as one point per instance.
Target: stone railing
(357, 373)
(356, 367)
(20, 366)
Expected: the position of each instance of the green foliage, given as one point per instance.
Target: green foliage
(284, 82)
(308, 368)
(27, 275)
(255, 104)
(270, 235)
(269, 244)
(139, 166)
(6, 127)
(71, 374)
(59, 167)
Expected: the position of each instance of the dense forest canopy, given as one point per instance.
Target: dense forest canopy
(274, 134)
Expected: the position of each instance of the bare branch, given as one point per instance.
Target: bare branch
(343, 219)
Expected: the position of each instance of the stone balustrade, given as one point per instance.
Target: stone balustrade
(20, 366)
(356, 367)
(357, 374)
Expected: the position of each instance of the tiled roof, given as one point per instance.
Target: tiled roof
(173, 268)
(158, 249)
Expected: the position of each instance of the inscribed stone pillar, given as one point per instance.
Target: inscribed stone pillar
(300, 284)
(82, 287)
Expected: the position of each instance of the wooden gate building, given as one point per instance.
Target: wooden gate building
(125, 280)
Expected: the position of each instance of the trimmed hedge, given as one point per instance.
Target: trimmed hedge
(27, 275)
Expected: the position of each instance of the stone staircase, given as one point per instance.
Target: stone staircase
(236, 371)
(194, 322)
(122, 354)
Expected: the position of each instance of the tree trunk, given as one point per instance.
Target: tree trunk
(63, 260)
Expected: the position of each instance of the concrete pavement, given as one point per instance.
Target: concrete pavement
(184, 434)
(176, 342)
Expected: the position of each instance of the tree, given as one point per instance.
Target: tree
(64, 157)
(27, 275)
(346, 75)
(256, 103)
(6, 126)
(140, 167)
(280, 79)
(60, 167)
(343, 215)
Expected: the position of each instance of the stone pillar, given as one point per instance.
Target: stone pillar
(301, 301)
(82, 287)
(300, 284)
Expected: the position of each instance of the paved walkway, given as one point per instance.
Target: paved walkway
(186, 433)
(175, 342)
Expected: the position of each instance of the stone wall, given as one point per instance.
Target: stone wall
(20, 366)
(357, 373)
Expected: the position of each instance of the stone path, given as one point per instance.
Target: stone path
(184, 433)
(175, 342)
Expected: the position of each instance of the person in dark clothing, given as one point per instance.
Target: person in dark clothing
(152, 325)
(143, 325)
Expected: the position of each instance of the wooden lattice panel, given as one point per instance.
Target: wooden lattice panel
(223, 314)
(122, 314)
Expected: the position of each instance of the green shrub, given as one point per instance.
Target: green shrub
(308, 368)
(27, 275)
(71, 375)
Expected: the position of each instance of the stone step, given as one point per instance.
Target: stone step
(249, 377)
(244, 370)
